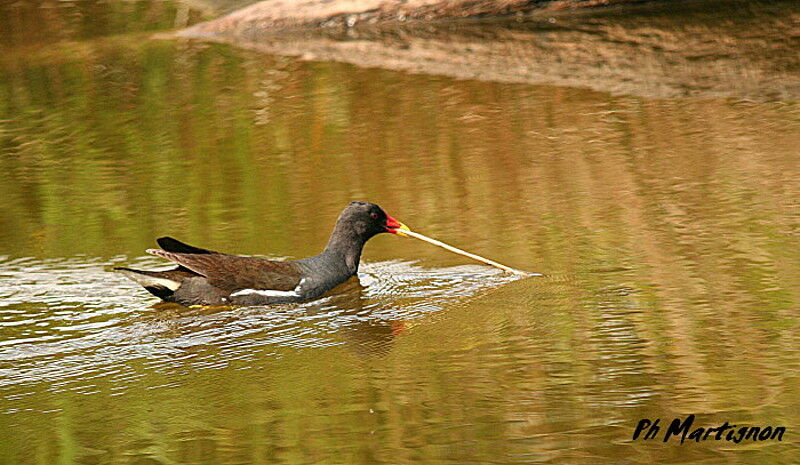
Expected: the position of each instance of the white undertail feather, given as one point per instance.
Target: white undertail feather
(151, 281)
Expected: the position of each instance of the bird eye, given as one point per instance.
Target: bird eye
(374, 215)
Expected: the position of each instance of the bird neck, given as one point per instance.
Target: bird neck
(346, 245)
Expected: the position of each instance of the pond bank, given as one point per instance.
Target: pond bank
(309, 14)
(734, 49)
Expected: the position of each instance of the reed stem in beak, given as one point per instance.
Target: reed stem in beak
(415, 235)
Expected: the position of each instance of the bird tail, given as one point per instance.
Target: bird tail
(161, 284)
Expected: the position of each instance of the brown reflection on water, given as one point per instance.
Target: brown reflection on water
(667, 228)
(699, 48)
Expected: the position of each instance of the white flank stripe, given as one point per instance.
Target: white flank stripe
(265, 293)
(271, 292)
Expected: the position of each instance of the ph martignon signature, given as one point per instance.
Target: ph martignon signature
(684, 430)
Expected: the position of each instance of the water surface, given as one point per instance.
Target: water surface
(667, 230)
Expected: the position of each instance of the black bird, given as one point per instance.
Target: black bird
(205, 277)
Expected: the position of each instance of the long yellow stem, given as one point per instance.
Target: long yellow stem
(406, 232)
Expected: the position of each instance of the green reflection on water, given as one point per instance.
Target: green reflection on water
(668, 229)
(37, 22)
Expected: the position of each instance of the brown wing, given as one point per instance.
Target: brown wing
(232, 272)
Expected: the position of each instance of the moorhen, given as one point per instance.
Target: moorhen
(205, 277)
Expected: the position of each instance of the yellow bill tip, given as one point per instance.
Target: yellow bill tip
(399, 231)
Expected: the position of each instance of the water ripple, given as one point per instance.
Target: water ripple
(64, 320)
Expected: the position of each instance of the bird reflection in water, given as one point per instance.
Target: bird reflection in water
(342, 315)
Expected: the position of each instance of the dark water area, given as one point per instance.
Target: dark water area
(666, 229)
